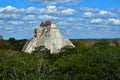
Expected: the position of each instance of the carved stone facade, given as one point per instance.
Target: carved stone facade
(47, 35)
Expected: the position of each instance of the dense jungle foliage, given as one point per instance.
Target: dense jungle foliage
(98, 62)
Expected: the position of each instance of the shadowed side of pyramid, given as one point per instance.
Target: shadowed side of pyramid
(47, 35)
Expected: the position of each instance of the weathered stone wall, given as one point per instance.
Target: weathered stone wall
(48, 35)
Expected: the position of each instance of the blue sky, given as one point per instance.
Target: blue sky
(74, 18)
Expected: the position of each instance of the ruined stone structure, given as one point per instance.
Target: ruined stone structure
(47, 35)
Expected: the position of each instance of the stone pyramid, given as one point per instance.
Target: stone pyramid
(47, 35)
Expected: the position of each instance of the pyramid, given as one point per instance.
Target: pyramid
(47, 35)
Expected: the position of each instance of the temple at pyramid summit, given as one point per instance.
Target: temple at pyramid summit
(47, 35)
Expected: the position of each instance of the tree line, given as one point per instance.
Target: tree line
(12, 43)
(98, 62)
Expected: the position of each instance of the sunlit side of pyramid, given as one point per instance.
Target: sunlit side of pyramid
(47, 35)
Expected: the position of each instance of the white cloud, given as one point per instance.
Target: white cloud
(62, 23)
(88, 14)
(7, 9)
(68, 11)
(98, 20)
(65, 18)
(9, 16)
(9, 28)
(106, 13)
(57, 2)
(32, 10)
(70, 19)
(114, 21)
(51, 7)
(34, 22)
(89, 9)
(102, 12)
(56, 10)
(16, 22)
(29, 17)
(47, 17)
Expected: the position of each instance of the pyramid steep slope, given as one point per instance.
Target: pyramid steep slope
(47, 35)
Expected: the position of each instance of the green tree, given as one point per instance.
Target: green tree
(41, 50)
